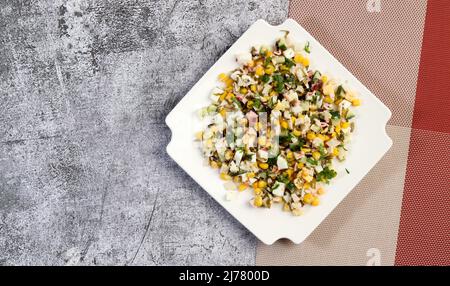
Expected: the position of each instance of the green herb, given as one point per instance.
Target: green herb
(340, 90)
(335, 114)
(267, 61)
(265, 78)
(272, 161)
(298, 145)
(348, 172)
(290, 186)
(278, 78)
(237, 102)
(326, 175)
(283, 178)
(279, 87)
(307, 48)
(316, 76)
(289, 63)
(311, 161)
(285, 138)
(257, 103)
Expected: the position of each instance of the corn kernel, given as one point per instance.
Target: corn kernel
(250, 175)
(258, 201)
(315, 202)
(324, 79)
(284, 124)
(263, 166)
(223, 77)
(236, 179)
(243, 90)
(255, 185)
(223, 112)
(328, 99)
(307, 186)
(345, 125)
(300, 165)
(253, 88)
(251, 63)
(316, 155)
(250, 104)
(338, 101)
(337, 129)
(306, 150)
(290, 156)
(298, 58)
(229, 82)
(214, 164)
(335, 151)
(242, 187)
(273, 93)
(356, 102)
(305, 62)
(308, 198)
(297, 133)
(268, 53)
(225, 176)
(270, 69)
(222, 96)
(311, 136)
(320, 191)
(262, 184)
(259, 71)
(289, 172)
(257, 191)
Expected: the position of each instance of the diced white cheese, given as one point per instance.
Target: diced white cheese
(289, 53)
(282, 163)
(243, 58)
(279, 190)
(238, 157)
(291, 95)
(263, 154)
(233, 167)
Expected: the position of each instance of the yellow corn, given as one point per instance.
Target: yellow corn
(251, 63)
(316, 155)
(270, 69)
(223, 112)
(225, 176)
(311, 136)
(243, 90)
(284, 124)
(307, 186)
(300, 165)
(298, 58)
(315, 202)
(258, 201)
(324, 79)
(328, 99)
(262, 141)
(290, 156)
(262, 184)
(263, 166)
(257, 191)
(337, 128)
(306, 150)
(308, 198)
(259, 71)
(297, 133)
(250, 175)
(242, 187)
(345, 125)
(320, 191)
(273, 93)
(289, 172)
(223, 77)
(253, 87)
(356, 102)
(305, 62)
(268, 53)
(335, 151)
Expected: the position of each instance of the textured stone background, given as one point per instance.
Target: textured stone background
(84, 89)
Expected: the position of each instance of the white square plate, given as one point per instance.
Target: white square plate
(369, 142)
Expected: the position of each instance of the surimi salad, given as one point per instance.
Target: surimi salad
(275, 127)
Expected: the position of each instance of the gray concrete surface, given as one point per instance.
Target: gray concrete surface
(84, 89)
